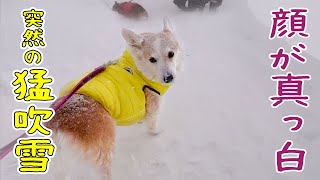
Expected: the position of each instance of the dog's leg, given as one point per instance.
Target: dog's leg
(152, 111)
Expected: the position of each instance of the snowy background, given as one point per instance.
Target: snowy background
(218, 122)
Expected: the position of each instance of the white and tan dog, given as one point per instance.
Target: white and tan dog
(84, 128)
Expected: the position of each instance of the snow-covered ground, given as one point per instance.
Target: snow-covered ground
(261, 10)
(217, 120)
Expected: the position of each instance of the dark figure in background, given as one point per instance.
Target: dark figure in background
(197, 4)
(214, 4)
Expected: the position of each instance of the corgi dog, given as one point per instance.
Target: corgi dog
(129, 90)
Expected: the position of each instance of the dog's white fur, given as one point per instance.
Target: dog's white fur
(77, 156)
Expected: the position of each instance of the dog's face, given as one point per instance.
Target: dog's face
(157, 55)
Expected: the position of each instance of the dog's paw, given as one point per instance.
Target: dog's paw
(155, 131)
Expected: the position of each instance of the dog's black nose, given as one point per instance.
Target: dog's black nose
(168, 79)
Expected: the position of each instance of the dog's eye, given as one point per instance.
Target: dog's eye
(170, 54)
(153, 60)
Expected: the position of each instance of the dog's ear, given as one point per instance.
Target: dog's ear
(131, 37)
(167, 26)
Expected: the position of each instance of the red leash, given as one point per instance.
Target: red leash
(9, 147)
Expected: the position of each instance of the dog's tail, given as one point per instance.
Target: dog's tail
(8, 148)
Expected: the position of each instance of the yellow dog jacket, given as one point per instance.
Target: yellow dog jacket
(119, 89)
